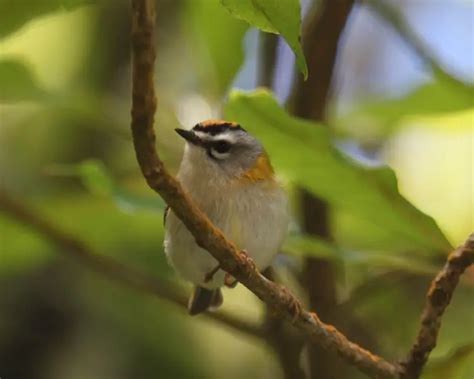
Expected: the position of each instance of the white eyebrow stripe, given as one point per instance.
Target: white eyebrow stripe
(203, 136)
(225, 136)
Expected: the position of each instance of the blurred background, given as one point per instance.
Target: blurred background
(380, 177)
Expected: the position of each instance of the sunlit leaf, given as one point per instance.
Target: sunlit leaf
(14, 14)
(17, 82)
(273, 16)
(434, 98)
(370, 194)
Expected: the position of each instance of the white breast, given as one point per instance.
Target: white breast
(254, 216)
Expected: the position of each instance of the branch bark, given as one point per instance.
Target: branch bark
(321, 37)
(207, 235)
(267, 61)
(438, 298)
(110, 268)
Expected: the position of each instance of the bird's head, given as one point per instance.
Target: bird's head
(225, 150)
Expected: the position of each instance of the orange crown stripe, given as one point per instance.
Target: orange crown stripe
(217, 123)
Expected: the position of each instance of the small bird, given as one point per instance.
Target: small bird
(228, 174)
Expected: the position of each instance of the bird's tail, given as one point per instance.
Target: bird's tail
(204, 299)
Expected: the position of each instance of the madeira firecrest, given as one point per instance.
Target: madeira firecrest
(228, 174)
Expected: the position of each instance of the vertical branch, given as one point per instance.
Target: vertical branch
(286, 344)
(320, 42)
(268, 51)
(143, 87)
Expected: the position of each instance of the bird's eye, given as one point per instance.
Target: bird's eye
(219, 150)
(221, 147)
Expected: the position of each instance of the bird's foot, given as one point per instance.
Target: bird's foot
(210, 275)
(230, 281)
(244, 255)
(295, 305)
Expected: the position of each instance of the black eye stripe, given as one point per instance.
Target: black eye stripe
(217, 129)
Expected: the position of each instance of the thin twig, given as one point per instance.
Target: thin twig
(438, 298)
(207, 236)
(110, 268)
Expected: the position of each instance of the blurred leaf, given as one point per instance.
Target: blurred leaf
(376, 299)
(307, 245)
(273, 16)
(20, 248)
(374, 303)
(459, 364)
(441, 96)
(310, 245)
(18, 82)
(14, 14)
(96, 178)
(217, 41)
(134, 238)
(368, 193)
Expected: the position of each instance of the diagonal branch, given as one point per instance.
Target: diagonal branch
(438, 298)
(207, 235)
(110, 268)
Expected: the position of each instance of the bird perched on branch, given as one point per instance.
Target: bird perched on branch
(228, 174)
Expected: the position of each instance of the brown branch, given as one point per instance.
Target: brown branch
(438, 298)
(207, 236)
(267, 61)
(322, 33)
(321, 38)
(110, 268)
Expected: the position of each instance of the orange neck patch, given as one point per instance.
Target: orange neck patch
(262, 170)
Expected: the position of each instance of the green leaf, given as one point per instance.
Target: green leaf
(435, 98)
(310, 245)
(458, 364)
(303, 151)
(374, 301)
(98, 181)
(14, 14)
(217, 40)
(18, 82)
(306, 245)
(273, 16)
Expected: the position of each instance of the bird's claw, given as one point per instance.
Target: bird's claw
(230, 281)
(295, 305)
(210, 275)
(244, 255)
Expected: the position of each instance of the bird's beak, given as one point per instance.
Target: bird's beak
(189, 136)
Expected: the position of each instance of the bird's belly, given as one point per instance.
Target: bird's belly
(256, 224)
